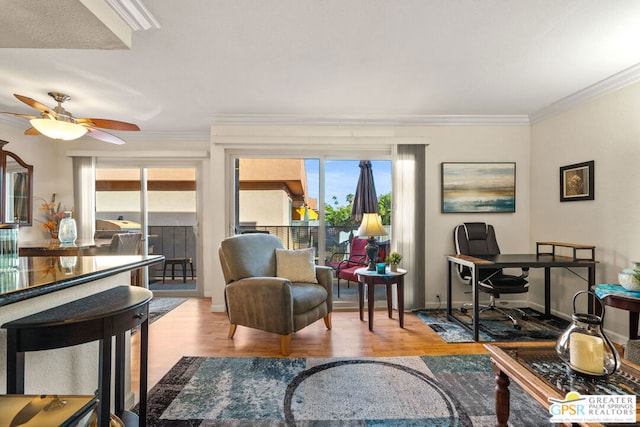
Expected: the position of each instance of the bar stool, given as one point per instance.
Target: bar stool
(97, 317)
(177, 261)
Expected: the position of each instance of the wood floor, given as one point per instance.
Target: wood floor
(193, 330)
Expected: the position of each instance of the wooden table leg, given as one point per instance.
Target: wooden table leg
(502, 396)
(633, 325)
(15, 364)
(400, 291)
(361, 299)
(370, 303)
(389, 300)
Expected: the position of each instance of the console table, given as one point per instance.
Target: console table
(98, 317)
(616, 296)
(543, 375)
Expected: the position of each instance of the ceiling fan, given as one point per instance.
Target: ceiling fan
(58, 123)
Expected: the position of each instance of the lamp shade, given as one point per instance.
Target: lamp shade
(57, 129)
(371, 225)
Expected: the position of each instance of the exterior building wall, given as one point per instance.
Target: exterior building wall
(265, 207)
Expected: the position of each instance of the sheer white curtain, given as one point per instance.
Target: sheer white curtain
(84, 195)
(409, 218)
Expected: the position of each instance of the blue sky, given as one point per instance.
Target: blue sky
(342, 177)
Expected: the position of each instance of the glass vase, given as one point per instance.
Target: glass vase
(67, 232)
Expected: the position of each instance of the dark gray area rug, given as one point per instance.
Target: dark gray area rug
(158, 307)
(494, 326)
(455, 390)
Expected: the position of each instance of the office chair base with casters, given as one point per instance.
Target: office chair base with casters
(493, 307)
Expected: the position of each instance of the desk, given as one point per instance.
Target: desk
(543, 375)
(372, 278)
(514, 261)
(618, 297)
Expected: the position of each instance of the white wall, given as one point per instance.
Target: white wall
(473, 144)
(606, 130)
(264, 207)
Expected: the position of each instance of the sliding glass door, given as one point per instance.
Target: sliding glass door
(159, 202)
(307, 202)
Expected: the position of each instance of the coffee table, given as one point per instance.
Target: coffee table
(537, 368)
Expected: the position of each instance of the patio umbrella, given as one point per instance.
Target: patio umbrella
(365, 200)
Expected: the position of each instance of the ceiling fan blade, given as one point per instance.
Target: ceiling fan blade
(104, 136)
(34, 104)
(32, 131)
(108, 124)
(24, 116)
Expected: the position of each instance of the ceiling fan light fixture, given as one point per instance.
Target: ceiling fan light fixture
(56, 129)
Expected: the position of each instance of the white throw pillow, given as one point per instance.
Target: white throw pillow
(296, 265)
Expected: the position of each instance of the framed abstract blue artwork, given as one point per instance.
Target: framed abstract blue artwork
(478, 187)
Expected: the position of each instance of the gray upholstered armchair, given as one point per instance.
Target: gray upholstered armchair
(257, 298)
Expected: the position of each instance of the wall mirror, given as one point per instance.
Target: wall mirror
(16, 180)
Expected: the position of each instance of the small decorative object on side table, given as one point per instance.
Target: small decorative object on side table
(393, 259)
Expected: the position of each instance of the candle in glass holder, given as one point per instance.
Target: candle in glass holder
(586, 353)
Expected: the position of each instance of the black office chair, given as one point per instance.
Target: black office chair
(478, 239)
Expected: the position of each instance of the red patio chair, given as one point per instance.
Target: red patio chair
(345, 269)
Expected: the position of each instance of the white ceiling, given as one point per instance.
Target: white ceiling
(326, 61)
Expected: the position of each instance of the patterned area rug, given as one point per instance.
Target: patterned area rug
(494, 326)
(395, 391)
(158, 307)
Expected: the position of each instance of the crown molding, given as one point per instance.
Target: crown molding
(610, 84)
(135, 14)
(371, 120)
(171, 136)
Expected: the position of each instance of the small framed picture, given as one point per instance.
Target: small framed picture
(576, 182)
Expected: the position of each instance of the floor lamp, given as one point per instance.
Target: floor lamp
(371, 226)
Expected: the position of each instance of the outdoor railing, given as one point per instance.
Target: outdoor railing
(306, 236)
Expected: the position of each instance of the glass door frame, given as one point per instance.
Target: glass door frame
(295, 152)
(143, 164)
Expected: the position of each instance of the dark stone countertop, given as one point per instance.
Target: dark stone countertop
(38, 276)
